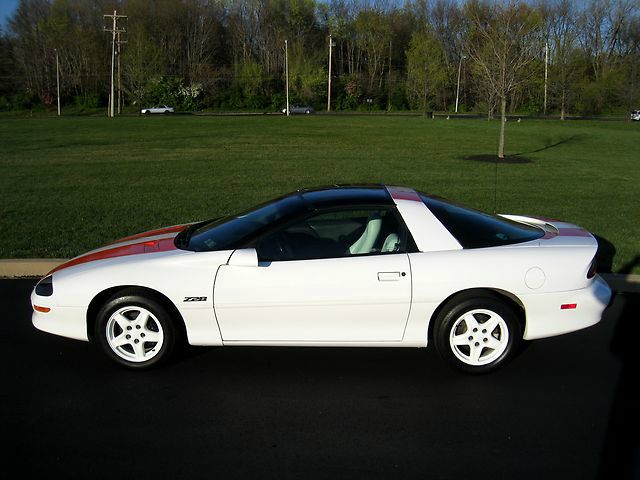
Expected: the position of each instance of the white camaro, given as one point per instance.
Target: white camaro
(337, 266)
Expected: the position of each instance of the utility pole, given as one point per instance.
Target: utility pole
(546, 74)
(286, 70)
(389, 81)
(119, 42)
(58, 79)
(331, 45)
(462, 57)
(114, 33)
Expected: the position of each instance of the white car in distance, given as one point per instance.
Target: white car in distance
(160, 109)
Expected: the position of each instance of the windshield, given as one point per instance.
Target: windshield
(231, 232)
(475, 229)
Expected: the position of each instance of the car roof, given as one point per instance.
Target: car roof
(337, 195)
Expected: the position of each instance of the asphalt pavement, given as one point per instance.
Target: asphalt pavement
(565, 408)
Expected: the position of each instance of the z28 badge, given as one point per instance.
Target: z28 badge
(195, 299)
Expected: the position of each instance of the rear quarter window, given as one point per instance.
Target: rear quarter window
(475, 229)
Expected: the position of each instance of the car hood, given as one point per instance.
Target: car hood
(152, 241)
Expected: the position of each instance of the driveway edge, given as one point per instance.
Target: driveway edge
(28, 267)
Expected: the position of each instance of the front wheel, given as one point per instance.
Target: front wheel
(135, 331)
(477, 335)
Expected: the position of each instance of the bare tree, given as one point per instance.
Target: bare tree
(31, 47)
(425, 69)
(631, 43)
(503, 41)
(448, 23)
(562, 35)
(601, 24)
(373, 36)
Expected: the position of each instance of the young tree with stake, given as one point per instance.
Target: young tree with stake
(503, 41)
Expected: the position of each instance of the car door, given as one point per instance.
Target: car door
(340, 276)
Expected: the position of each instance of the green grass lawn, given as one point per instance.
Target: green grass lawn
(71, 184)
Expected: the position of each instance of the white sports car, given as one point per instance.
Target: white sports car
(364, 265)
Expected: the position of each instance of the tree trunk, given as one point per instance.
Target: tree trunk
(562, 106)
(503, 118)
(424, 92)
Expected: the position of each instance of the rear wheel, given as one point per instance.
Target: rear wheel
(477, 335)
(135, 331)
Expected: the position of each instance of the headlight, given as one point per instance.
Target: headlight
(44, 288)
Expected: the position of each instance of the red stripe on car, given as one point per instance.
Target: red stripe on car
(573, 232)
(153, 246)
(404, 194)
(152, 233)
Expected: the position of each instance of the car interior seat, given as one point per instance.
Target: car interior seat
(364, 244)
(391, 243)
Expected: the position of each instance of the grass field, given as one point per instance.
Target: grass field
(71, 184)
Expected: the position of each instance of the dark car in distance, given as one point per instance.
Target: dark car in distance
(298, 109)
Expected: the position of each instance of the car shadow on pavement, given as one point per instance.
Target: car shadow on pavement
(605, 255)
(628, 267)
(620, 457)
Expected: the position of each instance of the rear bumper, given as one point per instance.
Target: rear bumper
(545, 318)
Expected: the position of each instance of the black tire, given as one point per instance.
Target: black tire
(155, 338)
(146, 112)
(461, 340)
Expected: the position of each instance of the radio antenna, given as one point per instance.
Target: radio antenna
(495, 187)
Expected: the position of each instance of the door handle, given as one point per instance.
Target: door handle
(390, 276)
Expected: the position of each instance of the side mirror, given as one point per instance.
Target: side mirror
(244, 257)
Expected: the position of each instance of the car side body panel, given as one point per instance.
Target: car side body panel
(540, 280)
(178, 275)
(349, 299)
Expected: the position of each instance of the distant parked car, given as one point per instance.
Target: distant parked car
(160, 109)
(635, 115)
(294, 109)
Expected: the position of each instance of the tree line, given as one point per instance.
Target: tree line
(539, 57)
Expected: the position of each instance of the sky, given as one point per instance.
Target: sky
(6, 9)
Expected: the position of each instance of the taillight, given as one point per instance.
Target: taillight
(592, 269)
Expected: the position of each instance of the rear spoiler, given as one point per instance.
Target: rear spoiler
(557, 232)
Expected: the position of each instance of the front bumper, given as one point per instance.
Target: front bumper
(65, 321)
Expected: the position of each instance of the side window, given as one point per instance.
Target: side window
(339, 233)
